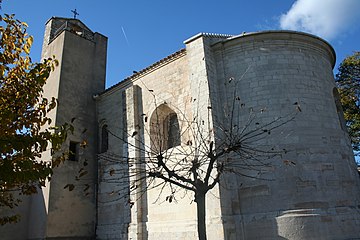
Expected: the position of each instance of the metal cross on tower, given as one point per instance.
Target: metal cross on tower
(75, 13)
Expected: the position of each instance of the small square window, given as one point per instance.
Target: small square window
(74, 151)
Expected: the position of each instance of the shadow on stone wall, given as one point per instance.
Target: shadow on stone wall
(32, 224)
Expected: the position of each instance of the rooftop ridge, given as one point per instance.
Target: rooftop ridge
(149, 69)
(216, 35)
(208, 35)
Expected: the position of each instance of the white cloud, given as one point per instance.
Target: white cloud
(325, 18)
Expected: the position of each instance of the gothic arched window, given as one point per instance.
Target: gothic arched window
(164, 129)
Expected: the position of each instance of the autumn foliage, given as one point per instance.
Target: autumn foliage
(348, 82)
(25, 128)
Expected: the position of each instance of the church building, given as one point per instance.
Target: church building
(310, 189)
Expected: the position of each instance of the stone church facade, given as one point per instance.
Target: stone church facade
(312, 191)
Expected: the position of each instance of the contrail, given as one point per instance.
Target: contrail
(125, 35)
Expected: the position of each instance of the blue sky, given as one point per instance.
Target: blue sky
(142, 32)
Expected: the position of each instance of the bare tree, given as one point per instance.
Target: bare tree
(185, 153)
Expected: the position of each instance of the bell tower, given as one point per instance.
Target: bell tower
(69, 200)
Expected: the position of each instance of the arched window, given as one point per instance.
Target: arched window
(104, 139)
(164, 129)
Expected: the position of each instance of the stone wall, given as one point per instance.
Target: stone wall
(166, 83)
(275, 75)
(312, 190)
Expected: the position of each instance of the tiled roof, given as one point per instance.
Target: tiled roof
(151, 68)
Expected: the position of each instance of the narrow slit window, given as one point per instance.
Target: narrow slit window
(173, 131)
(74, 151)
(104, 139)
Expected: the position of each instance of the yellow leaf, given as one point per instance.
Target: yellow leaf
(30, 40)
(83, 144)
(26, 49)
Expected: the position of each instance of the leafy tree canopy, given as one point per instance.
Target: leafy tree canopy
(348, 82)
(25, 132)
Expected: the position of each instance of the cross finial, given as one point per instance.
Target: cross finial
(75, 13)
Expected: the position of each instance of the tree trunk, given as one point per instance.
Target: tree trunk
(201, 223)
